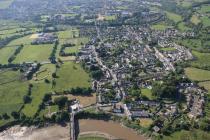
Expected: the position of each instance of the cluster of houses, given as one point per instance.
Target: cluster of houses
(45, 38)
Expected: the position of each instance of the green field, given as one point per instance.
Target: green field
(147, 92)
(5, 3)
(206, 21)
(71, 75)
(38, 92)
(191, 43)
(197, 74)
(5, 54)
(45, 71)
(160, 27)
(195, 19)
(11, 93)
(26, 40)
(188, 135)
(182, 27)
(202, 59)
(174, 17)
(206, 85)
(31, 53)
(78, 44)
(168, 49)
(204, 9)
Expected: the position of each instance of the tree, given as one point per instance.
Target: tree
(15, 115)
(26, 99)
(61, 101)
(47, 97)
(5, 116)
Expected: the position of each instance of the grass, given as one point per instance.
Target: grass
(38, 92)
(146, 122)
(191, 43)
(174, 17)
(147, 92)
(112, 17)
(68, 34)
(168, 49)
(23, 40)
(31, 53)
(182, 27)
(48, 110)
(5, 3)
(206, 21)
(71, 75)
(160, 27)
(195, 19)
(202, 59)
(206, 85)
(204, 9)
(11, 94)
(188, 135)
(5, 54)
(197, 74)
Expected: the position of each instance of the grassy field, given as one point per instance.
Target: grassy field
(202, 59)
(182, 27)
(146, 122)
(38, 92)
(26, 40)
(48, 110)
(174, 17)
(5, 54)
(160, 27)
(191, 43)
(5, 3)
(197, 74)
(206, 85)
(195, 19)
(31, 53)
(71, 75)
(147, 92)
(11, 93)
(168, 49)
(206, 21)
(204, 9)
(188, 135)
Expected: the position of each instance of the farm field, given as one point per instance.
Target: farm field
(206, 85)
(160, 27)
(71, 75)
(31, 53)
(26, 40)
(45, 72)
(182, 27)
(12, 92)
(190, 135)
(5, 54)
(202, 59)
(38, 92)
(174, 17)
(197, 74)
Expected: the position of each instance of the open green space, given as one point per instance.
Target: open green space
(71, 75)
(191, 43)
(188, 135)
(204, 9)
(48, 110)
(206, 85)
(26, 40)
(197, 74)
(174, 17)
(168, 49)
(147, 93)
(5, 54)
(5, 3)
(195, 19)
(67, 34)
(112, 17)
(206, 21)
(31, 53)
(12, 90)
(182, 27)
(202, 59)
(38, 92)
(160, 27)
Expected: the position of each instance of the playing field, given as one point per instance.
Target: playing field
(71, 75)
(31, 53)
(5, 54)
